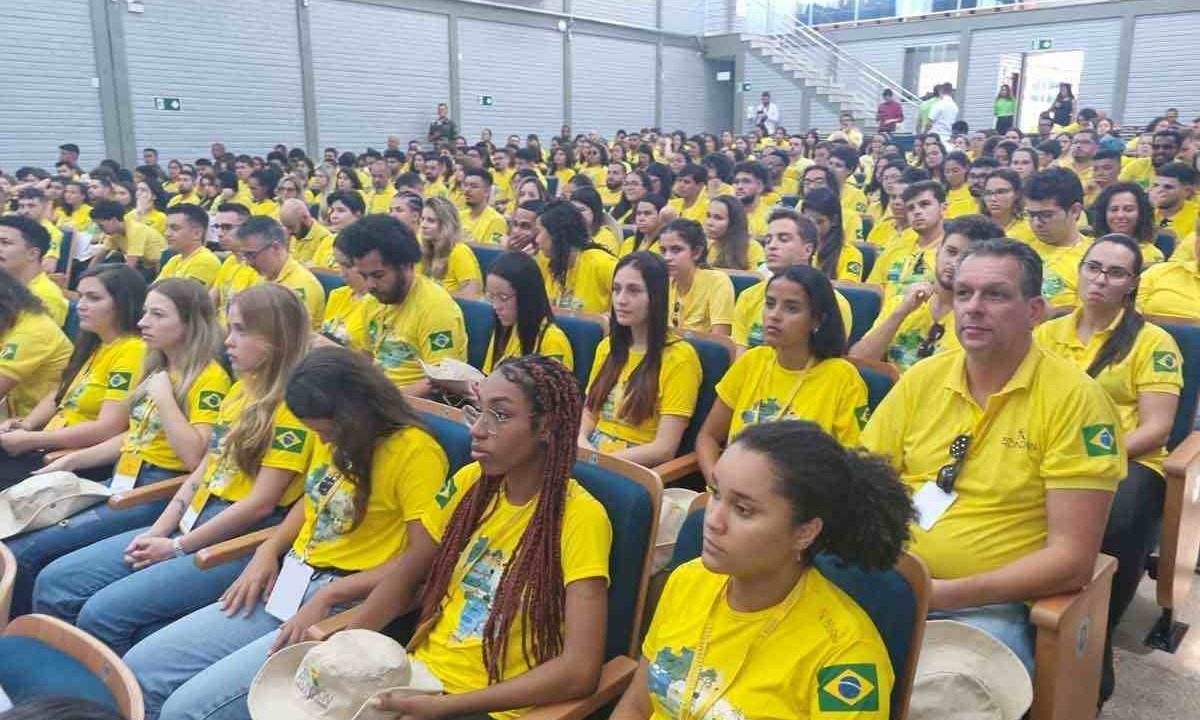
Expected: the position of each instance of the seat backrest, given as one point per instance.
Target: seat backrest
(879, 377)
(865, 302)
(716, 355)
(1188, 339)
(551, 186)
(869, 251)
(329, 281)
(789, 200)
(446, 425)
(479, 319)
(584, 333)
(64, 250)
(71, 324)
(1165, 241)
(743, 281)
(486, 254)
(631, 495)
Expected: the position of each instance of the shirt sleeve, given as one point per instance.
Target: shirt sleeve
(734, 380)
(721, 306)
(853, 682)
(586, 539)
(291, 443)
(124, 373)
(23, 353)
(418, 475)
(1082, 449)
(447, 498)
(1159, 366)
(463, 266)
(884, 431)
(206, 396)
(853, 409)
(135, 240)
(680, 381)
(443, 334)
(555, 344)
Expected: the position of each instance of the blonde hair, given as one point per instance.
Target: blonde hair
(435, 251)
(201, 337)
(276, 316)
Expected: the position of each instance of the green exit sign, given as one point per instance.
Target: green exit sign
(746, 87)
(168, 104)
(1042, 44)
(487, 100)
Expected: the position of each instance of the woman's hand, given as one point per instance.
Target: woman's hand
(255, 583)
(158, 387)
(65, 463)
(309, 614)
(11, 424)
(411, 707)
(17, 441)
(145, 550)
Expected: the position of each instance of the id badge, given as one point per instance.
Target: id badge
(932, 502)
(289, 589)
(126, 474)
(199, 500)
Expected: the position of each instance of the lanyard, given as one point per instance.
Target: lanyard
(687, 711)
(322, 504)
(792, 394)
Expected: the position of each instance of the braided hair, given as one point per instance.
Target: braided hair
(532, 581)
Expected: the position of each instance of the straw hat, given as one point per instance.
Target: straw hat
(966, 674)
(43, 500)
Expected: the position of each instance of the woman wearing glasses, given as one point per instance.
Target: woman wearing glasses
(701, 298)
(524, 323)
(797, 373)
(1139, 365)
(1004, 203)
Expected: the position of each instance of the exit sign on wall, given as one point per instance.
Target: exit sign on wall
(168, 104)
(1041, 44)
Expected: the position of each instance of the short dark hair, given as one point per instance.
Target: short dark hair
(957, 156)
(108, 210)
(924, 186)
(755, 169)
(396, 243)
(234, 207)
(1057, 184)
(1106, 154)
(194, 214)
(31, 193)
(806, 228)
(408, 179)
(887, 93)
(984, 161)
(1182, 172)
(1087, 114)
(31, 231)
(695, 172)
(913, 175)
(1050, 147)
(350, 198)
(480, 173)
(847, 154)
(1028, 260)
(393, 155)
(265, 227)
(974, 228)
(1172, 132)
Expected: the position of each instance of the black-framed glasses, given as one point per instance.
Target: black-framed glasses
(248, 256)
(1093, 270)
(675, 310)
(929, 344)
(948, 474)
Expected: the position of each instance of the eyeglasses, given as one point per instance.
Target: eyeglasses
(1093, 270)
(949, 473)
(1040, 215)
(997, 193)
(494, 298)
(489, 420)
(250, 255)
(929, 344)
(675, 310)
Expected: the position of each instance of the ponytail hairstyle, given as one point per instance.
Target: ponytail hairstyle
(532, 581)
(202, 337)
(278, 318)
(435, 251)
(533, 306)
(733, 250)
(641, 390)
(829, 248)
(864, 507)
(1121, 342)
(333, 383)
(127, 289)
(692, 235)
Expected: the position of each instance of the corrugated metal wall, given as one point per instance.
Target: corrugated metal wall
(887, 54)
(632, 12)
(46, 93)
(684, 16)
(1099, 39)
(528, 94)
(1163, 70)
(785, 92)
(684, 85)
(377, 71)
(614, 84)
(235, 65)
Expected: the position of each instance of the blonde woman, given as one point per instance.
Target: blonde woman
(444, 256)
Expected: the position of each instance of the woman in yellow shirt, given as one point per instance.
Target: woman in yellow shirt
(835, 257)
(343, 304)
(1004, 203)
(510, 568)
(729, 243)
(145, 209)
(444, 257)
(753, 628)
(33, 349)
(647, 221)
(797, 373)
(701, 298)
(171, 415)
(1125, 208)
(524, 322)
(599, 223)
(562, 166)
(576, 271)
(119, 588)
(349, 524)
(636, 186)
(645, 380)
(86, 408)
(1141, 368)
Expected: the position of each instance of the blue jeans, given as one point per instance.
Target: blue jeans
(1007, 622)
(200, 667)
(96, 590)
(35, 550)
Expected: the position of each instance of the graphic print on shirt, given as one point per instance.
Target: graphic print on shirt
(478, 588)
(337, 515)
(390, 352)
(668, 678)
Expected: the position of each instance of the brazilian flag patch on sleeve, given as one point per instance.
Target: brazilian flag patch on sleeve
(289, 439)
(210, 400)
(119, 380)
(441, 340)
(848, 688)
(8, 352)
(1164, 361)
(1099, 440)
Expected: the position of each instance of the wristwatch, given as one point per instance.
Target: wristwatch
(178, 547)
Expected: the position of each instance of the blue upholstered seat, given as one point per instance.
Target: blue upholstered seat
(479, 319)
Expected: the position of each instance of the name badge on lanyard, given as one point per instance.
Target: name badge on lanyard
(290, 587)
(199, 500)
(126, 474)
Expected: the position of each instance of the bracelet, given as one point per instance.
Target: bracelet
(178, 547)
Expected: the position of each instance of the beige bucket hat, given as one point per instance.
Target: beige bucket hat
(43, 500)
(966, 674)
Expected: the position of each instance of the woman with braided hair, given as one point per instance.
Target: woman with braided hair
(513, 559)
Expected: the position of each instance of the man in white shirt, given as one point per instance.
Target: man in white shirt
(944, 112)
(766, 115)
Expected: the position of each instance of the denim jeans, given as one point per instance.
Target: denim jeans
(201, 666)
(1007, 622)
(35, 550)
(95, 589)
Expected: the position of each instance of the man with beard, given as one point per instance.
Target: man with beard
(977, 174)
(750, 179)
(1165, 145)
(610, 192)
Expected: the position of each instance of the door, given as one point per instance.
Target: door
(1042, 74)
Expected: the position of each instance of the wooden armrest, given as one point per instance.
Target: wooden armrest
(330, 625)
(615, 676)
(146, 494)
(1179, 540)
(1052, 612)
(679, 468)
(223, 552)
(1177, 462)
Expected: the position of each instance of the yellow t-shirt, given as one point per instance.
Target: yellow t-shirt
(606, 239)
(849, 264)
(1019, 229)
(233, 277)
(1139, 170)
(589, 282)
(110, 374)
(192, 198)
(490, 227)
(825, 659)
(56, 237)
(202, 265)
(552, 342)
(1154, 364)
(678, 389)
(756, 221)
(300, 280)
(51, 296)
(904, 263)
(698, 211)
(341, 310)
(79, 218)
(1050, 428)
(1182, 223)
(913, 330)
(290, 449)
(266, 208)
(959, 202)
(147, 438)
(884, 233)
(708, 302)
(407, 469)
(315, 249)
(756, 256)
(854, 206)
(34, 353)
(627, 246)
(379, 202)
(461, 268)
(1171, 289)
(453, 649)
(156, 219)
(748, 315)
(427, 325)
(598, 174)
(1185, 249)
(830, 393)
(139, 240)
(609, 198)
(1060, 271)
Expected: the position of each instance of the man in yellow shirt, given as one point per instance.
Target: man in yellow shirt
(1053, 203)
(1013, 472)
(33, 204)
(234, 275)
(1083, 152)
(1171, 194)
(912, 256)
(750, 179)
(185, 188)
(187, 226)
(690, 202)
(262, 244)
(139, 245)
(23, 241)
(380, 196)
(310, 242)
(614, 181)
(1164, 147)
(481, 222)
(1106, 169)
(843, 162)
(243, 167)
(796, 166)
(853, 135)
(1173, 288)
(262, 193)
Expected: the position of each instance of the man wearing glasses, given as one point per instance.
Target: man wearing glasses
(234, 275)
(262, 245)
(1012, 454)
(920, 322)
(1053, 204)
